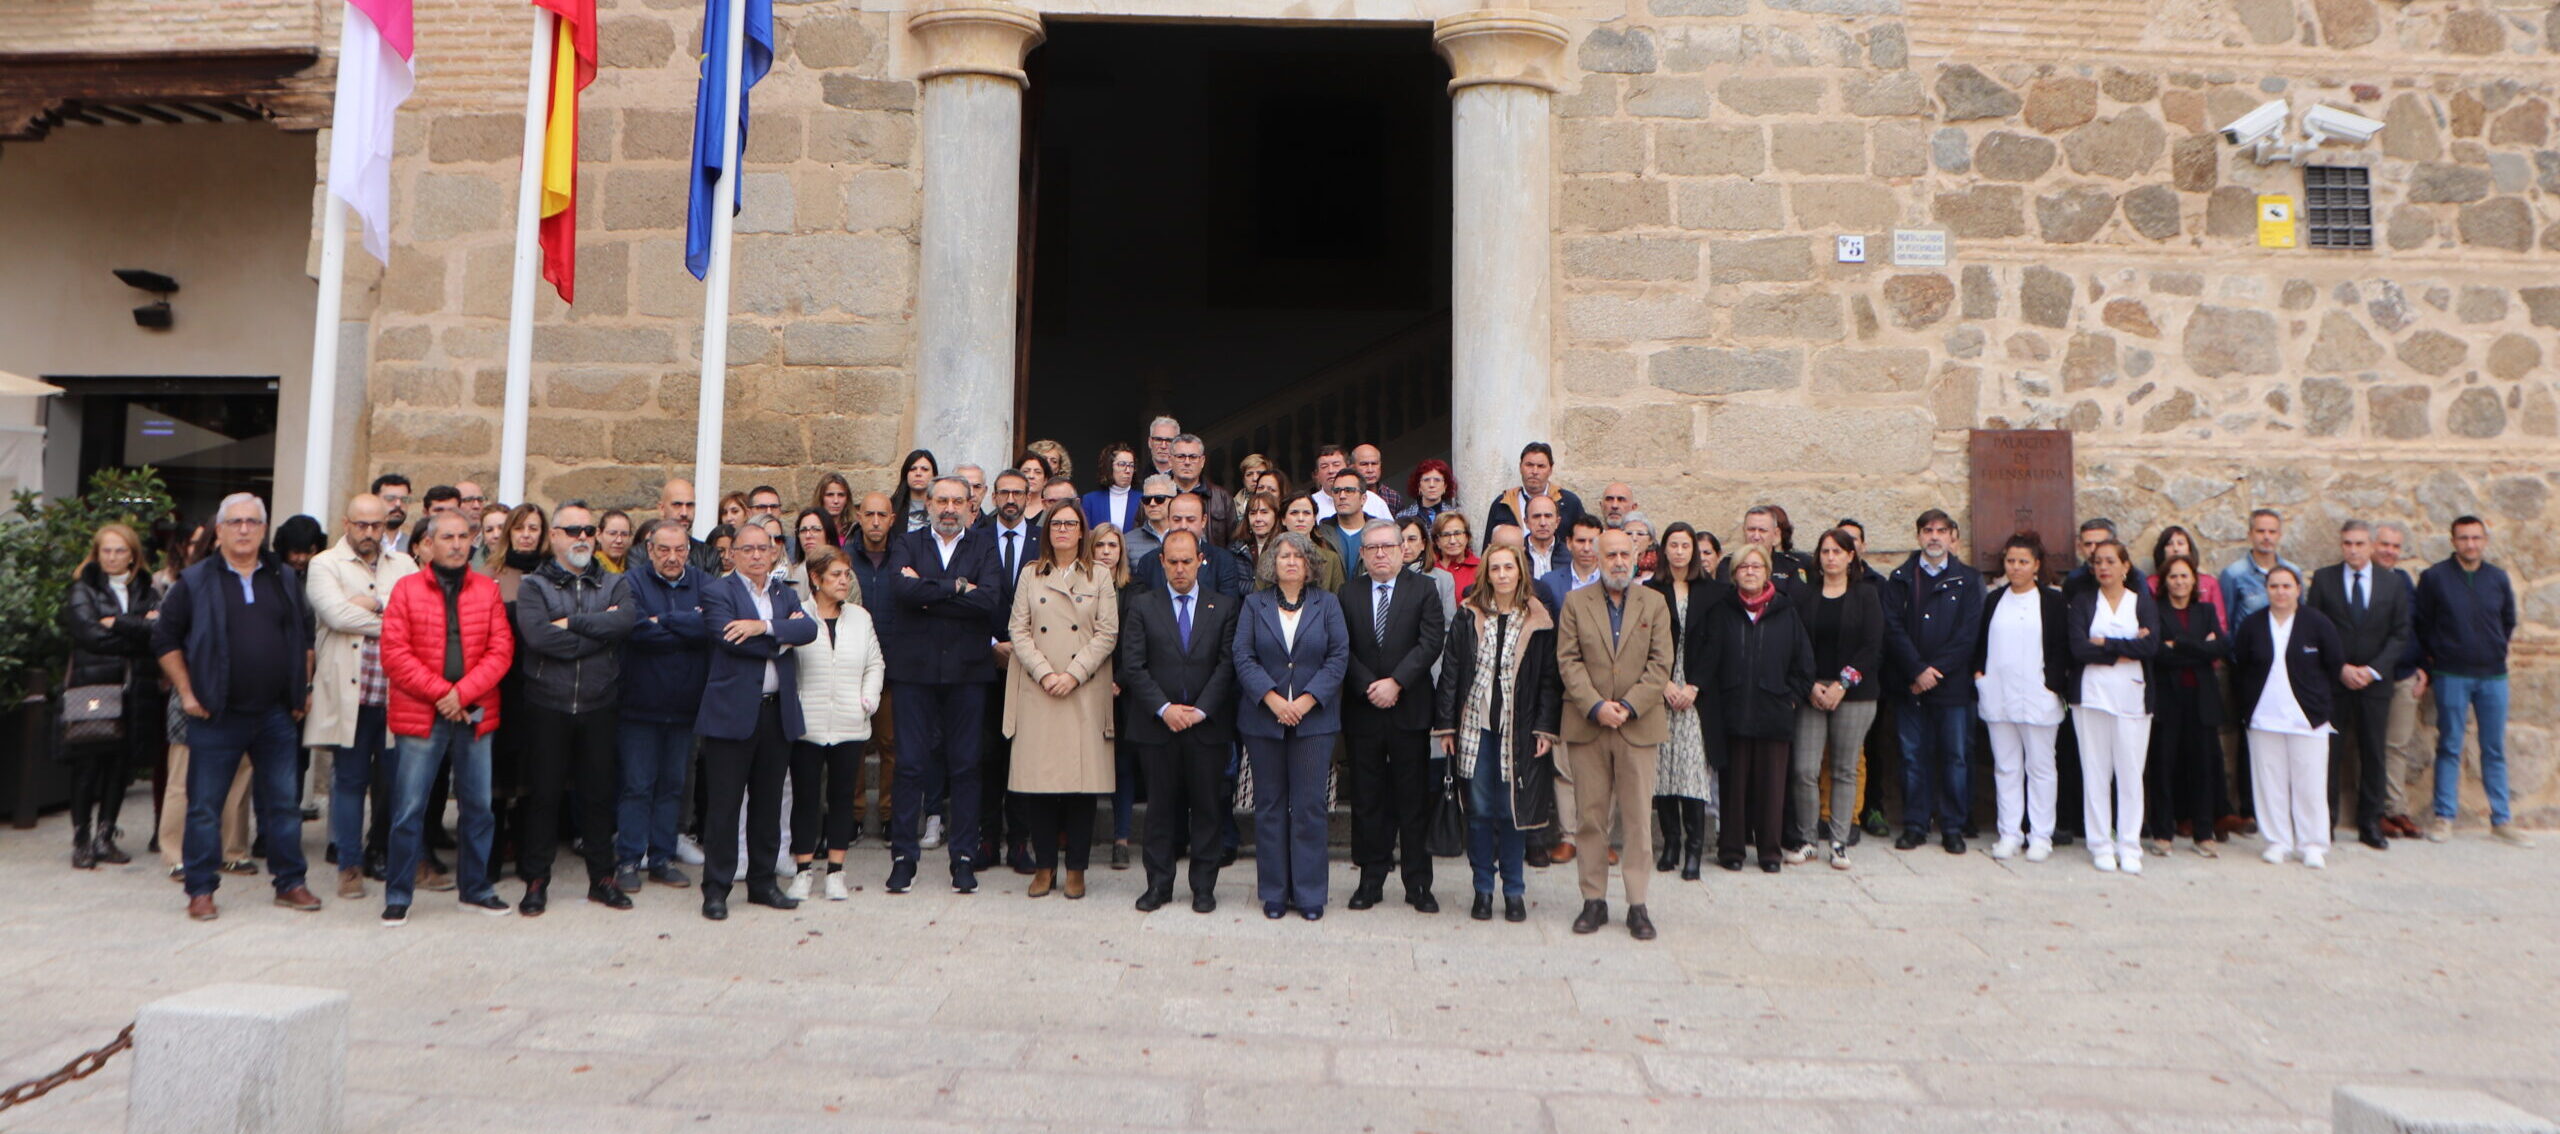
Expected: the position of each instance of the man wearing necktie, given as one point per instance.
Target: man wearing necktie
(1386, 717)
(1017, 542)
(2371, 608)
(1177, 671)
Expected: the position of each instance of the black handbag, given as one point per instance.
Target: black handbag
(92, 714)
(1448, 836)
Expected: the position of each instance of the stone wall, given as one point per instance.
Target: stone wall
(2105, 278)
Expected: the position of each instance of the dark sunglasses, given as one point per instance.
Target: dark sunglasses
(577, 531)
(1157, 499)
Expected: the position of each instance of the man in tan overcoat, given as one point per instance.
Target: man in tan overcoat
(1613, 649)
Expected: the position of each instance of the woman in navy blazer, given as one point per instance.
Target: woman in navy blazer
(1119, 470)
(2287, 714)
(1291, 647)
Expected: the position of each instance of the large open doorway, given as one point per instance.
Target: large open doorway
(1245, 227)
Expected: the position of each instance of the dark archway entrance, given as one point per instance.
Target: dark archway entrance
(1245, 227)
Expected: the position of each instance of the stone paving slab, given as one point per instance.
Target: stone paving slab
(1919, 993)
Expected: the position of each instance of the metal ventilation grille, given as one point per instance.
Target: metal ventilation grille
(2337, 206)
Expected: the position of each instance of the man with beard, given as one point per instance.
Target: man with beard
(1613, 650)
(347, 586)
(572, 617)
(941, 651)
(393, 489)
(1003, 835)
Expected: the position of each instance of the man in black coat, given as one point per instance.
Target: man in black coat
(1396, 627)
(1933, 617)
(1179, 677)
(2371, 608)
(942, 653)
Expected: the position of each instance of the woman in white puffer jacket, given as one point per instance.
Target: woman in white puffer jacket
(840, 675)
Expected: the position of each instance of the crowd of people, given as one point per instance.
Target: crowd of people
(1561, 685)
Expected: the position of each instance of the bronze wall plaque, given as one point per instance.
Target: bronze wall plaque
(2022, 482)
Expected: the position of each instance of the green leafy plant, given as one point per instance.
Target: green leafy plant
(41, 543)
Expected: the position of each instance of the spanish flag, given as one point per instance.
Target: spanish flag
(573, 66)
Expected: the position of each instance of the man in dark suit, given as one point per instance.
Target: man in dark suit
(750, 712)
(942, 653)
(2371, 608)
(1180, 679)
(1012, 532)
(1396, 627)
(1219, 569)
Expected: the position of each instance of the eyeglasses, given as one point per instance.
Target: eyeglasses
(679, 503)
(243, 522)
(1063, 522)
(1156, 499)
(577, 531)
(366, 525)
(473, 499)
(813, 530)
(1382, 547)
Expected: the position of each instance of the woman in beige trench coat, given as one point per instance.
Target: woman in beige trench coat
(1057, 706)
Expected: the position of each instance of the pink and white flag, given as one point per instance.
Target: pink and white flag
(374, 78)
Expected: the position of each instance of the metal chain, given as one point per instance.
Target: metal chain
(82, 1066)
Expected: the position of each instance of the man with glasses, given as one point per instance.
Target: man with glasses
(1190, 456)
(472, 500)
(347, 587)
(1160, 437)
(393, 490)
(445, 647)
(1154, 499)
(231, 642)
(572, 617)
(941, 660)
(1396, 626)
(1217, 568)
(750, 712)
(1004, 835)
(662, 676)
(1330, 460)
(764, 501)
(1932, 618)
(1346, 493)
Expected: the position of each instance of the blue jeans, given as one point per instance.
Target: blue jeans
(654, 759)
(1933, 765)
(354, 771)
(420, 759)
(2456, 698)
(1494, 839)
(270, 741)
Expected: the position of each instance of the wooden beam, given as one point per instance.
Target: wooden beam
(111, 113)
(200, 112)
(155, 113)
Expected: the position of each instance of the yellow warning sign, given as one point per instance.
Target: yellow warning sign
(2275, 221)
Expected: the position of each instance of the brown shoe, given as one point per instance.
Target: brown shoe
(1563, 852)
(1040, 882)
(430, 878)
(1613, 856)
(351, 884)
(200, 908)
(1075, 883)
(299, 898)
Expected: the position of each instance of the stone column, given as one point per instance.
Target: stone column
(1505, 63)
(972, 153)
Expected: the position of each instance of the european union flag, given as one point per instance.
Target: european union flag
(709, 116)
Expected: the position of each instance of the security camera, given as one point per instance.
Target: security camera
(2261, 123)
(2322, 123)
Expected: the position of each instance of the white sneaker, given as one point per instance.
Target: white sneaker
(2439, 829)
(2039, 850)
(688, 850)
(2315, 860)
(2005, 849)
(1839, 856)
(835, 886)
(2507, 833)
(2106, 863)
(784, 864)
(932, 832)
(799, 888)
(2273, 856)
(1797, 857)
(2130, 863)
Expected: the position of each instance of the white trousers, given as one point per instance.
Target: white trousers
(2111, 748)
(2290, 778)
(2022, 769)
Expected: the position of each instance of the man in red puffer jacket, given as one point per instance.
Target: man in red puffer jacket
(445, 644)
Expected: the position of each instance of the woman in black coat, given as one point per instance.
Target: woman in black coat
(2184, 779)
(1510, 786)
(1683, 770)
(1758, 665)
(2283, 659)
(2022, 673)
(108, 615)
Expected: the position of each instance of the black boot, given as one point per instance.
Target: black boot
(1693, 853)
(1666, 820)
(84, 855)
(103, 846)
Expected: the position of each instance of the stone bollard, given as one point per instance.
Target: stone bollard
(239, 1059)
(2425, 1110)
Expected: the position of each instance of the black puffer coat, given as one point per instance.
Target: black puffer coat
(109, 655)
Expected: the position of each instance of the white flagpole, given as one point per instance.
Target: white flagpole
(715, 302)
(519, 394)
(321, 434)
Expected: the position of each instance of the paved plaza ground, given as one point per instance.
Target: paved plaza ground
(1918, 993)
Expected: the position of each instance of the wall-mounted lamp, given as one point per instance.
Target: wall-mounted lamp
(154, 315)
